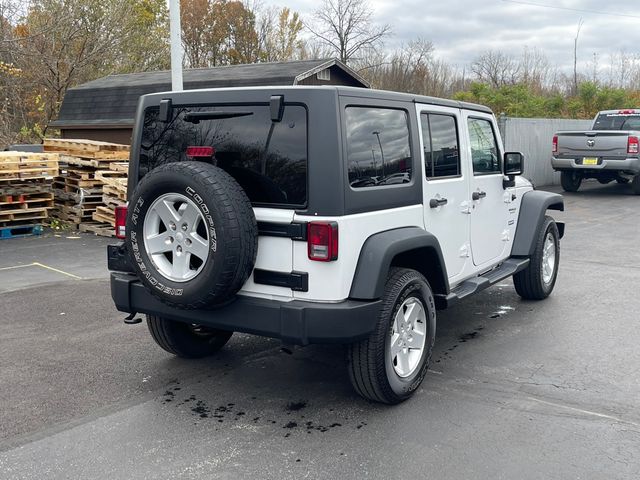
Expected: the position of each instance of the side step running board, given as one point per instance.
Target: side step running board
(508, 268)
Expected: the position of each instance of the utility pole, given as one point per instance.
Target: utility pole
(177, 53)
(575, 58)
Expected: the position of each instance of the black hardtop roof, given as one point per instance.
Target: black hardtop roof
(341, 91)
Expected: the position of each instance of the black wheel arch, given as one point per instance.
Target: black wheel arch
(533, 209)
(407, 247)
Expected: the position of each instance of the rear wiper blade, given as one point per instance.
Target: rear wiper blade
(196, 117)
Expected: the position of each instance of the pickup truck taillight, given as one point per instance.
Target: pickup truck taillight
(632, 145)
(322, 241)
(554, 145)
(121, 221)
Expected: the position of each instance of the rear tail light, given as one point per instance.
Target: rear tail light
(322, 241)
(121, 221)
(554, 145)
(200, 152)
(632, 145)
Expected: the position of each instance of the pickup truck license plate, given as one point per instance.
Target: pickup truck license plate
(589, 161)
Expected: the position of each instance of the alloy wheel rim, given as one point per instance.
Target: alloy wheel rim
(176, 238)
(408, 337)
(548, 259)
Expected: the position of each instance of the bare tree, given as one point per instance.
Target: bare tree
(496, 69)
(346, 27)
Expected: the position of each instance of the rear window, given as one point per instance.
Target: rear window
(268, 159)
(617, 121)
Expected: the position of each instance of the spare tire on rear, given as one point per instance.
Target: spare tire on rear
(192, 234)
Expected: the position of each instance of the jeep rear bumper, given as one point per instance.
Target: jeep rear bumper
(622, 165)
(297, 322)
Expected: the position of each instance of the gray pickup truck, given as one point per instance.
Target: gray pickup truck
(608, 152)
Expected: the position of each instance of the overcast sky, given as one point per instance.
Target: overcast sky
(461, 29)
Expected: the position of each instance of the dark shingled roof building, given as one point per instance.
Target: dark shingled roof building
(104, 109)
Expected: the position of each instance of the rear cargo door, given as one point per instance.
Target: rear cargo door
(274, 262)
(264, 149)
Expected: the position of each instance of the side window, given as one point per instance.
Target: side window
(378, 151)
(484, 148)
(441, 152)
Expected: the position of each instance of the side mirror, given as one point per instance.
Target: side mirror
(513, 163)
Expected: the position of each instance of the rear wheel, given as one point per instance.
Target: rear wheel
(570, 181)
(635, 185)
(537, 280)
(186, 340)
(391, 363)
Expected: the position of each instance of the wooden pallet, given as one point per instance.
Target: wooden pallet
(23, 165)
(83, 145)
(119, 192)
(29, 201)
(120, 167)
(23, 215)
(111, 177)
(87, 149)
(105, 163)
(102, 229)
(26, 187)
(105, 215)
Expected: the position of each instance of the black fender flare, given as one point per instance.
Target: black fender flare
(533, 208)
(422, 250)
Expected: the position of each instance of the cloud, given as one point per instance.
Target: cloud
(462, 29)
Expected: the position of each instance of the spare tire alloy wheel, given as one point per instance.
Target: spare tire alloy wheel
(192, 234)
(176, 237)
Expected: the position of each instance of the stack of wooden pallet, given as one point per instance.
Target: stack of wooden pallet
(93, 177)
(26, 194)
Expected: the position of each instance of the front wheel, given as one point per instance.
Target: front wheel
(184, 339)
(391, 363)
(537, 280)
(570, 181)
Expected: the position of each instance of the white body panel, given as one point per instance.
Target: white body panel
(450, 222)
(331, 281)
(274, 253)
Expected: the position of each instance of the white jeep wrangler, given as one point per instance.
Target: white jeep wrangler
(323, 215)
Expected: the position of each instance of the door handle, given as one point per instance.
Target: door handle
(478, 195)
(437, 202)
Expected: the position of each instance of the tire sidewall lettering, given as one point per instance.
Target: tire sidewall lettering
(213, 238)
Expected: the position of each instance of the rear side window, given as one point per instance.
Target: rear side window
(268, 159)
(441, 151)
(484, 148)
(378, 151)
(617, 121)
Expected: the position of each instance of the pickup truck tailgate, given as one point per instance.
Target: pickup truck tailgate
(602, 143)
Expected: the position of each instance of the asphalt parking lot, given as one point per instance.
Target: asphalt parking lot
(516, 389)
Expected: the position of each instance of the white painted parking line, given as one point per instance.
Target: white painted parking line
(37, 264)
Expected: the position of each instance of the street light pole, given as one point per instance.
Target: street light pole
(177, 53)
(377, 134)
